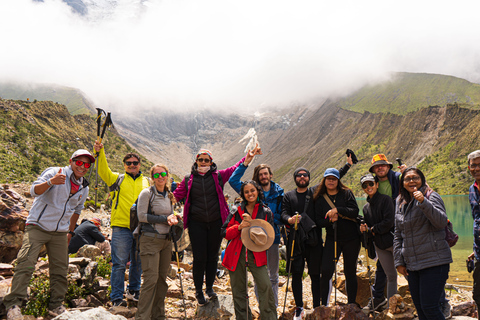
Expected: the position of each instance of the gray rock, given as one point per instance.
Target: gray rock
(92, 314)
(222, 307)
(82, 262)
(89, 251)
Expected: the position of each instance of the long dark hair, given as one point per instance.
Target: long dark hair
(322, 189)
(260, 192)
(404, 195)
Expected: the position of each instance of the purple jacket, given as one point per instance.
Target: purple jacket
(181, 192)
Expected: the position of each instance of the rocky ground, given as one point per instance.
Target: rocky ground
(460, 299)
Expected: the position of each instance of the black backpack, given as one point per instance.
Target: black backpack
(116, 187)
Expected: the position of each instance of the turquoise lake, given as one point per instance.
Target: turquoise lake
(460, 214)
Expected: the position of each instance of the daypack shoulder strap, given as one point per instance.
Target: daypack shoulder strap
(116, 187)
(328, 200)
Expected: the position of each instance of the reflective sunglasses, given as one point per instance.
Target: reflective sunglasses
(414, 179)
(157, 175)
(81, 163)
(129, 163)
(203, 160)
(367, 184)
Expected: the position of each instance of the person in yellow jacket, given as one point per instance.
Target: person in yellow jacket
(123, 244)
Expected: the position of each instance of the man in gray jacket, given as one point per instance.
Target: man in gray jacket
(60, 194)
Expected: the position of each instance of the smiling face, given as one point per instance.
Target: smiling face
(474, 167)
(204, 160)
(250, 193)
(132, 166)
(160, 181)
(264, 177)
(79, 171)
(331, 183)
(370, 188)
(412, 181)
(381, 170)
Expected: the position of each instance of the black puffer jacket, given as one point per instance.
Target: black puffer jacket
(204, 205)
(379, 213)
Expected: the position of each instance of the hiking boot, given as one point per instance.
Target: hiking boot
(220, 273)
(132, 295)
(446, 310)
(299, 313)
(200, 299)
(14, 313)
(57, 311)
(210, 294)
(119, 303)
(375, 305)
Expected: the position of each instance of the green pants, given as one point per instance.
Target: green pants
(155, 255)
(238, 279)
(57, 250)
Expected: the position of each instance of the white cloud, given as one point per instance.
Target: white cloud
(232, 53)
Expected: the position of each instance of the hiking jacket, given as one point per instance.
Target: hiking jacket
(273, 201)
(86, 233)
(161, 207)
(181, 191)
(233, 235)
(474, 197)
(419, 240)
(128, 193)
(394, 179)
(52, 210)
(379, 213)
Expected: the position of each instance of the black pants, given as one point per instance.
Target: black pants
(313, 257)
(205, 239)
(350, 250)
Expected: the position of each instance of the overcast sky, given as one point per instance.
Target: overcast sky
(196, 53)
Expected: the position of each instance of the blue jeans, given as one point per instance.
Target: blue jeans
(123, 250)
(426, 287)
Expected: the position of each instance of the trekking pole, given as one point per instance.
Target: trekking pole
(335, 260)
(368, 271)
(179, 272)
(246, 278)
(99, 122)
(290, 264)
(106, 123)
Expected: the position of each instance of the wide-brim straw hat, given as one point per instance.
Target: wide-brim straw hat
(259, 236)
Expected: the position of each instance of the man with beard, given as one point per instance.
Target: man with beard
(388, 184)
(273, 194)
(300, 200)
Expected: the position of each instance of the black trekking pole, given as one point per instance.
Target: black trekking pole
(290, 264)
(179, 272)
(99, 123)
(368, 271)
(335, 260)
(106, 123)
(246, 279)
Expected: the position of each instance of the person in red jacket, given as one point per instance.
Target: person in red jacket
(249, 230)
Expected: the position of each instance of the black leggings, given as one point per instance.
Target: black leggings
(205, 239)
(350, 250)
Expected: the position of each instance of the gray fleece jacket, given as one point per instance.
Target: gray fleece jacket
(419, 240)
(52, 210)
(161, 208)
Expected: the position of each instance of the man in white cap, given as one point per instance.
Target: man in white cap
(60, 194)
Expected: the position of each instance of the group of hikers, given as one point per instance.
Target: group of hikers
(404, 224)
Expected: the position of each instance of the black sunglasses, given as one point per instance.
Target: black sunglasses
(203, 160)
(301, 175)
(129, 163)
(367, 184)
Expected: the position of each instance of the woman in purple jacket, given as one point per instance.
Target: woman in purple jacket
(204, 213)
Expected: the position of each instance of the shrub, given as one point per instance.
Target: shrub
(104, 269)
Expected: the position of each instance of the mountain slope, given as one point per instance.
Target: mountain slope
(407, 92)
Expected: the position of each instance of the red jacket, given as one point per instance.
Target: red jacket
(231, 233)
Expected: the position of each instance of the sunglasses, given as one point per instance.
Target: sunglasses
(129, 163)
(367, 184)
(157, 175)
(206, 160)
(414, 179)
(81, 163)
(301, 175)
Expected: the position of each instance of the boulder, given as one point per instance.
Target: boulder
(468, 308)
(89, 251)
(92, 314)
(224, 303)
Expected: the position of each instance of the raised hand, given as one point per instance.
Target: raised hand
(59, 178)
(418, 195)
(98, 146)
(251, 154)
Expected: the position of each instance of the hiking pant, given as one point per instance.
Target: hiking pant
(386, 258)
(57, 250)
(476, 285)
(205, 239)
(273, 260)
(238, 279)
(350, 250)
(155, 254)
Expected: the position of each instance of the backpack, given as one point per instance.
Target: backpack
(133, 211)
(450, 236)
(116, 187)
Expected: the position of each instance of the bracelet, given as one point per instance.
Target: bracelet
(50, 184)
(71, 232)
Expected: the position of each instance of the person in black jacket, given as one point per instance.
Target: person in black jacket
(88, 232)
(342, 212)
(379, 213)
